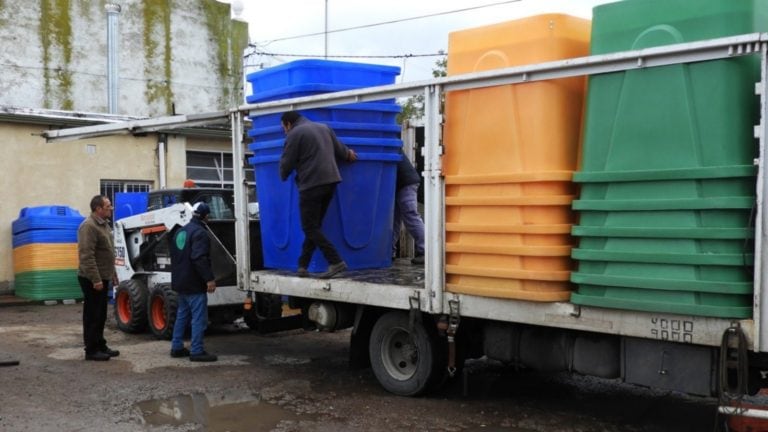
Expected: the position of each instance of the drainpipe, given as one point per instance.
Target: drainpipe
(162, 140)
(113, 12)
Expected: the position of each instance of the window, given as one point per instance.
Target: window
(214, 169)
(220, 209)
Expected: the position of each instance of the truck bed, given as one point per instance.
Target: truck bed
(402, 287)
(392, 287)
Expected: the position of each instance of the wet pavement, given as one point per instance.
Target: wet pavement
(292, 381)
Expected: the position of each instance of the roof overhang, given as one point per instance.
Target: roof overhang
(212, 125)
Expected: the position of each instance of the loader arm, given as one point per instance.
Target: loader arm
(138, 237)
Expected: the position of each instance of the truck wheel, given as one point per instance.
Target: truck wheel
(403, 360)
(161, 311)
(130, 306)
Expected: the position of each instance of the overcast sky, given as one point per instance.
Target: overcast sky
(270, 21)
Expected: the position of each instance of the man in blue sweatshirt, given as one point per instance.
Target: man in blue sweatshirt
(192, 279)
(312, 149)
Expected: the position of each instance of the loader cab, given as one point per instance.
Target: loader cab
(221, 220)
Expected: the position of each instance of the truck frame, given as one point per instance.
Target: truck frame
(414, 333)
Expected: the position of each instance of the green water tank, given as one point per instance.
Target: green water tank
(667, 178)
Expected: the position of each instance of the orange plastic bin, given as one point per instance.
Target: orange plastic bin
(510, 153)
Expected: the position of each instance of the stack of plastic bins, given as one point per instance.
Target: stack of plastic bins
(509, 159)
(359, 219)
(45, 253)
(668, 182)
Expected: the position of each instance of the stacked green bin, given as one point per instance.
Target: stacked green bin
(667, 179)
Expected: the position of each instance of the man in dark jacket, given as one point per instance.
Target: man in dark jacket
(406, 207)
(312, 149)
(192, 279)
(96, 270)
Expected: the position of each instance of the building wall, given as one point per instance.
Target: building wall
(69, 173)
(175, 56)
(179, 56)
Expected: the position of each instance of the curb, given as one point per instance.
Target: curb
(12, 300)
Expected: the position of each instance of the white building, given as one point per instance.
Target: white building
(174, 56)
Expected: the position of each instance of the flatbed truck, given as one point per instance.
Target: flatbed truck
(414, 332)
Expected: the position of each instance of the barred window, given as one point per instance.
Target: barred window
(214, 169)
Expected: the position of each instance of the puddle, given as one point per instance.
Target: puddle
(277, 360)
(252, 416)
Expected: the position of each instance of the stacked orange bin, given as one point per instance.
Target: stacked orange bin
(510, 153)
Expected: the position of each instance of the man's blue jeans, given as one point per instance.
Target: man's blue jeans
(192, 308)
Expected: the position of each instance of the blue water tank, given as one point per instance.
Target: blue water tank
(359, 219)
(51, 217)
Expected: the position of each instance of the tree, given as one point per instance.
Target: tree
(413, 107)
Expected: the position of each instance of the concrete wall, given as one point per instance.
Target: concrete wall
(66, 174)
(175, 55)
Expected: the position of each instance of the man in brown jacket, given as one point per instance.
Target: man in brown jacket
(96, 253)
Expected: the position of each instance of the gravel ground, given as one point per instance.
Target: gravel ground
(290, 381)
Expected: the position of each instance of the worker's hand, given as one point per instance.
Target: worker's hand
(351, 155)
(211, 286)
(98, 286)
(115, 280)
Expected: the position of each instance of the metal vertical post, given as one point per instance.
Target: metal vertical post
(242, 219)
(113, 12)
(760, 308)
(408, 134)
(162, 143)
(434, 201)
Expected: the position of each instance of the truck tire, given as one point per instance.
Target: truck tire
(161, 311)
(267, 306)
(130, 306)
(404, 360)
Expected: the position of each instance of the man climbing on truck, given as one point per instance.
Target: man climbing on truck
(312, 149)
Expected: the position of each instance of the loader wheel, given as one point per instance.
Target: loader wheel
(404, 359)
(130, 306)
(267, 306)
(161, 311)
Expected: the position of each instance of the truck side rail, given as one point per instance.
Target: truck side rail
(676, 328)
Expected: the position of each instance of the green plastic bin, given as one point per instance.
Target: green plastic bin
(667, 178)
(48, 285)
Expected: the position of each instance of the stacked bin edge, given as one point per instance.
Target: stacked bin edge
(667, 182)
(45, 253)
(508, 179)
(359, 218)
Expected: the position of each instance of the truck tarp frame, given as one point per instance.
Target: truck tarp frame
(565, 315)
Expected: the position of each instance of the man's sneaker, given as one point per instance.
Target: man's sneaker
(334, 269)
(418, 259)
(97, 356)
(110, 352)
(203, 357)
(182, 352)
(302, 272)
